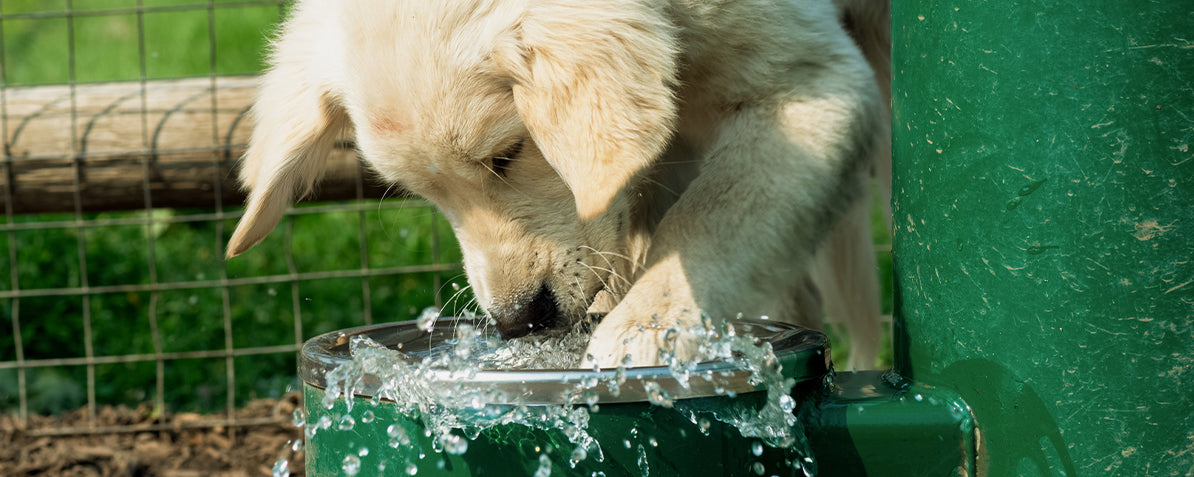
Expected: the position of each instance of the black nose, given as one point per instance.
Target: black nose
(524, 317)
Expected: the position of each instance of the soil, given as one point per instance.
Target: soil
(179, 445)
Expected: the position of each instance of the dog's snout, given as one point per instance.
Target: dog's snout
(524, 317)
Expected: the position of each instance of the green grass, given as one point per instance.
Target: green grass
(107, 48)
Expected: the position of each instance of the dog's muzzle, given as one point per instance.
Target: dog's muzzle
(526, 316)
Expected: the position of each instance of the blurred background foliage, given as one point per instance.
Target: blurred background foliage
(168, 44)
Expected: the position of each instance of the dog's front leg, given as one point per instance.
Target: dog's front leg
(740, 237)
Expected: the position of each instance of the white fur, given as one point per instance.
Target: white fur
(678, 158)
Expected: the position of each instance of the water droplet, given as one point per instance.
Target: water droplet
(544, 469)
(758, 468)
(704, 425)
(297, 445)
(454, 444)
(644, 467)
(756, 448)
(578, 454)
(398, 436)
(652, 441)
(1031, 187)
(787, 404)
(364, 451)
(426, 320)
(411, 468)
(300, 417)
(367, 416)
(626, 443)
(918, 398)
(346, 423)
(282, 468)
(351, 465)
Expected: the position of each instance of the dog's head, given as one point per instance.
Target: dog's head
(527, 127)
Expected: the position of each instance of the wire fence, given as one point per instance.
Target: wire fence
(94, 120)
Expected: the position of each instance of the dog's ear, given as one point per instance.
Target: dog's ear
(297, 121)
(594, 82)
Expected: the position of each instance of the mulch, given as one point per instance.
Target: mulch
(177, 445)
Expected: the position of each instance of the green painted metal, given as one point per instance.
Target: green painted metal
(636, 439)
(873, 423)
(1044, 227)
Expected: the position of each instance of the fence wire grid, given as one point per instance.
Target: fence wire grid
(122, 121)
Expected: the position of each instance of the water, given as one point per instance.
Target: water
(433, 390)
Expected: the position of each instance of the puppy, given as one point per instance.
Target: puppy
(660, 161)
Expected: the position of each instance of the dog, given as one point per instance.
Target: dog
(665, 162)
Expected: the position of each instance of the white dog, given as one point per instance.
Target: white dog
(658, 160)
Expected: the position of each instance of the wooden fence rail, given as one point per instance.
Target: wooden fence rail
(122, 146)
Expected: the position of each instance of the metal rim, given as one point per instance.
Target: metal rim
(802, 352)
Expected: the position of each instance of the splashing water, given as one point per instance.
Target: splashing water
(432, 388)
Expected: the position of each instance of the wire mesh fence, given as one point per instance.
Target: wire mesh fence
(122, 122)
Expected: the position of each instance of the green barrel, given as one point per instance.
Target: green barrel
(637, 435)
(1044, 227)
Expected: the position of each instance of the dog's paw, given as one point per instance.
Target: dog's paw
(629, 342)
(651, 325)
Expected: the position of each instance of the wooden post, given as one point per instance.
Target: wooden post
(100, 147)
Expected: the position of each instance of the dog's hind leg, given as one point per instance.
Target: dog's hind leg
(847, 278)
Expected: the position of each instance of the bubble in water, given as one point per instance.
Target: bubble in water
(651, 440)
(704, 424)
(282, 468)
(300, 417)
(626, 443)
(756, 448)
(544, 469)
(427, 319)
(325, 421)
(364, 451)
(297, 445)
(758, 468)
(454, 444)
(367, 416)
(381, 467)
(346, 423)
(351, 465)
(411, 468)
(918, 397)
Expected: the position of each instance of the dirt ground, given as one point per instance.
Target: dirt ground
(180, 445)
